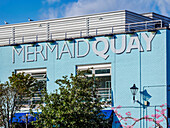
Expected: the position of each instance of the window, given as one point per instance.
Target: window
(41, 75)
(103, 73)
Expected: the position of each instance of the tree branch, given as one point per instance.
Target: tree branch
(129, 117)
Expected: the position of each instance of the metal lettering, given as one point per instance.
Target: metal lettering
(18, 53)
(136, 46)
(29, 53)
(88, 48)
(73, 50)
(104, 51)
(148, 40)
(134, 43)
(123, 47)
(57, 51)
(51, 49)
(68, 50)
(39, 52)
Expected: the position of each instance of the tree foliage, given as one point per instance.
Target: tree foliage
(73, 105)
(13, 94)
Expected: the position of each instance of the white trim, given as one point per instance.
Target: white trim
(29, 71)
(94, 66)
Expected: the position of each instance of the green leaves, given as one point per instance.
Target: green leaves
(73, 104)
(13, 94)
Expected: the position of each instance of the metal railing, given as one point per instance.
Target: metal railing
(104, 93)
(145, 25)
(15, 35)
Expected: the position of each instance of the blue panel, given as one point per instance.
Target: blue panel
(21, 118)
(107, 113)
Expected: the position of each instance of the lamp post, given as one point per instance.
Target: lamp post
(26, 120)
(134, 90)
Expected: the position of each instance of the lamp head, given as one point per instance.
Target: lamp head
(134, 89)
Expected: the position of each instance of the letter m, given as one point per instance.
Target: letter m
(18, 53)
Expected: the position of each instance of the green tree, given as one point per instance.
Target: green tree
(13, 94)
(73, 105)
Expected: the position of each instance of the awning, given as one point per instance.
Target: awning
(107, 113)
(21, 118)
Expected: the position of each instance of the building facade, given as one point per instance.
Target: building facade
(123, 48)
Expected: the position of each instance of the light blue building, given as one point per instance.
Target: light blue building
(124, 48)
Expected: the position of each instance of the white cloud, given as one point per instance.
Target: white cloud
(164, 6)
(51, 13)
(82, 7)
(52, 1)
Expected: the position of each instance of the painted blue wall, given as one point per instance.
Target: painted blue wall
(168, 66)
(147, 69)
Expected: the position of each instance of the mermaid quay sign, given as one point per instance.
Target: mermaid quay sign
(30, 52)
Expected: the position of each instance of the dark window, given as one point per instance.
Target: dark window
(102, 71)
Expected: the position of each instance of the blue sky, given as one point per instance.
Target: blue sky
(17, 11)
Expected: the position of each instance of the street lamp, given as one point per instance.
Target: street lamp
(134, 90)
(26, 120)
